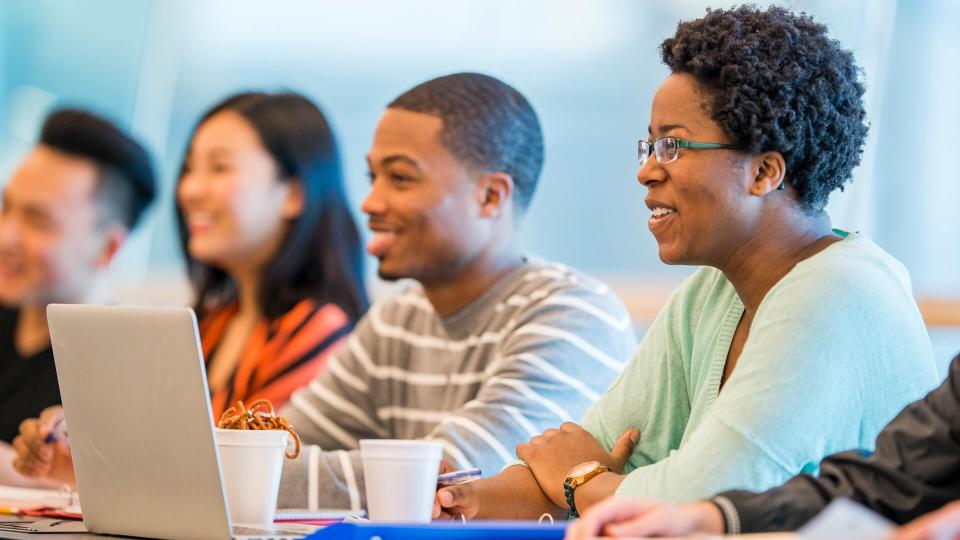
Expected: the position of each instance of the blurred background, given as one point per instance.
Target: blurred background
(589, 68)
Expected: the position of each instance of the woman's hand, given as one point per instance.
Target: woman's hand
(551, 456)
(37, 458)
(629, 517)
(941, 524)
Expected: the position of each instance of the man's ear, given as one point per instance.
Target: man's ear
(295, 199)
(113, 238)
(494, 191)
(770, 171)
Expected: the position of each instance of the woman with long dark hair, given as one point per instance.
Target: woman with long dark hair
(272, 251)
(271, 247)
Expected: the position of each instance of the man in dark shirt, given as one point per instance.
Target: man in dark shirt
(914, 472)
(66, 211)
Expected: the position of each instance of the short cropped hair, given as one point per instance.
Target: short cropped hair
(775, 80)
(126, 183)
(486, 123)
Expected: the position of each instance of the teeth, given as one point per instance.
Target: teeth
(660, 211)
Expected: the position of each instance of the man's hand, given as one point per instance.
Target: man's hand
(940, 524)
(551, 456)
(452, 497)
(455, 501)
(619, 517)
(37, 458)
(512, 494)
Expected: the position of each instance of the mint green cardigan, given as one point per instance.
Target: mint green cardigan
(836, 349)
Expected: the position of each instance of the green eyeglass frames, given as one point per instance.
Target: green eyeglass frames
(667, 149)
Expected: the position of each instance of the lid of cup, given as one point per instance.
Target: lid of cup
(400, 449)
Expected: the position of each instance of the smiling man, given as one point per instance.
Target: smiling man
(490, 346)
(66, 211)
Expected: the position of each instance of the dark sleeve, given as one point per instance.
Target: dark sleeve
(914, 470)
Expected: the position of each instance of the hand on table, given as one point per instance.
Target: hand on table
(551, 456)
(37, 458)
(940, 524)
(629, 517)
(452, 502)
(455, 501)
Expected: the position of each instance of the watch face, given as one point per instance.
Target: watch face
(584, 468)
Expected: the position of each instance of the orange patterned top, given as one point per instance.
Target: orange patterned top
(279, 357)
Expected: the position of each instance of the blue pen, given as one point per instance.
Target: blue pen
(458, 477)
(59, 431)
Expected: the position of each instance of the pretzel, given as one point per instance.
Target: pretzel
(260, 415)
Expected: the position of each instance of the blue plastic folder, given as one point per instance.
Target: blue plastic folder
(471, 530)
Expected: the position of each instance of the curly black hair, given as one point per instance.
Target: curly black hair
(486, 123)
(775, 80)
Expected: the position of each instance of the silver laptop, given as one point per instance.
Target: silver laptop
(138, 414)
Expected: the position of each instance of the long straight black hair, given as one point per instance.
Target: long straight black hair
(321, 257)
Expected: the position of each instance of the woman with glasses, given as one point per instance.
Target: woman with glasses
(793, 340)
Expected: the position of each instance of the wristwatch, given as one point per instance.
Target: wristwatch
(578, 476)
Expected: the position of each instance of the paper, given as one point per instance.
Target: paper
(846, 519)
(323, 514)
(42, 526)
(16, 499)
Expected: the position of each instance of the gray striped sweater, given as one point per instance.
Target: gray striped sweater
(533, 351)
